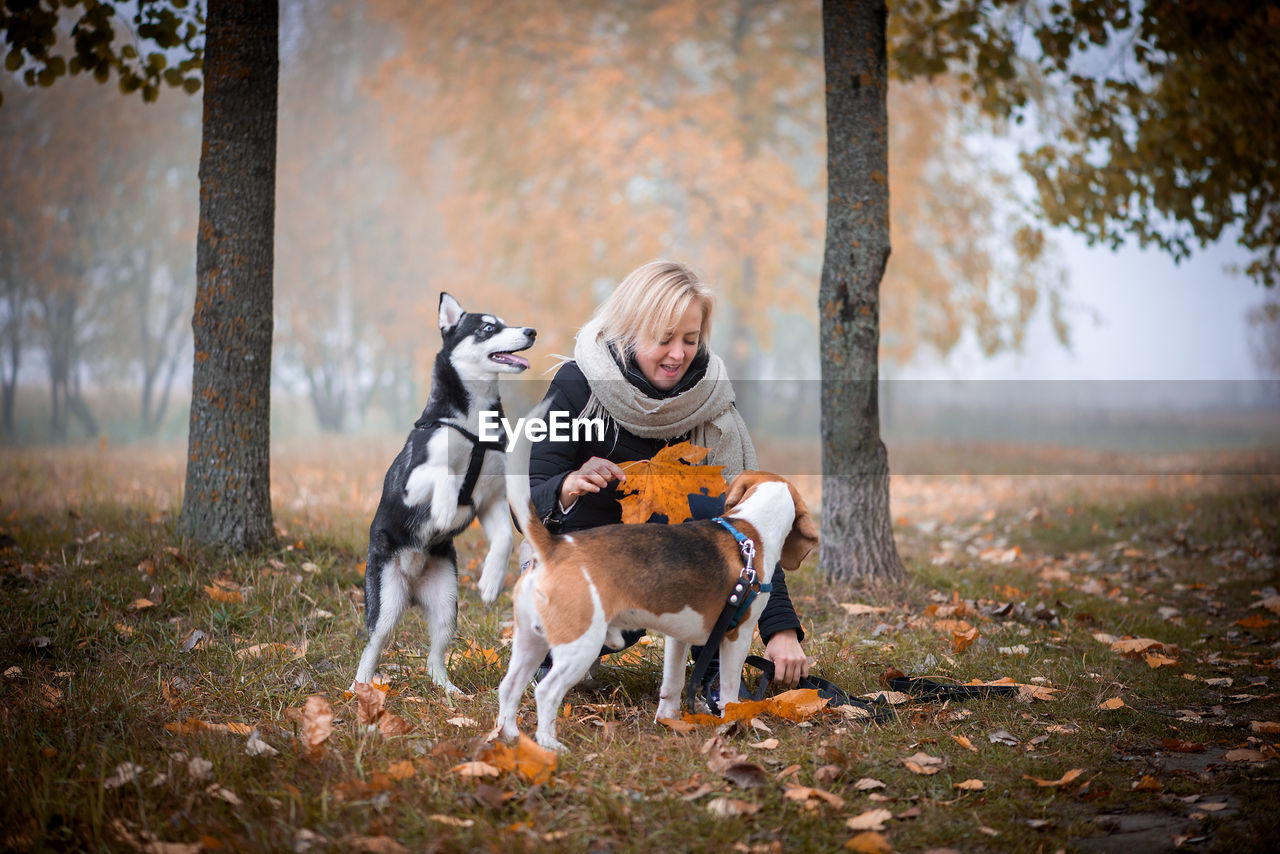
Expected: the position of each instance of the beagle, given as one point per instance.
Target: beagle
(584, 589)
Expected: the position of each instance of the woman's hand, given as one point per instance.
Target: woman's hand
(790, 664)
(594, 476)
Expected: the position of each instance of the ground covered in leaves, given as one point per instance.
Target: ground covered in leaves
(156, 697)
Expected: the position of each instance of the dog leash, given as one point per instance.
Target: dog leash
(877, 711)
(741, 597)
(478, 448)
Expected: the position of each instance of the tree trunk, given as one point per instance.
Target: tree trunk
(857, 532)
(227, 501)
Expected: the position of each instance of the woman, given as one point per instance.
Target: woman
(643, 364)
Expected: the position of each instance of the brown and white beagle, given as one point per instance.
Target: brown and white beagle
(584, 589)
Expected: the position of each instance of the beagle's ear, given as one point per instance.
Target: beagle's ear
(450, 312)
(739, 488)
(803, 537)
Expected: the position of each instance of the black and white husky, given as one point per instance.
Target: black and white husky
(441, 480)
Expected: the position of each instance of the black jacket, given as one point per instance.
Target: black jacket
(551, 462)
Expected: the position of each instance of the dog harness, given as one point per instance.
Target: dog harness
(744, 593)
(478, 448)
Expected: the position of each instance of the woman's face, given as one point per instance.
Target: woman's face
(664, 363)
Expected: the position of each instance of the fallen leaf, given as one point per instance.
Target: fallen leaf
(869, 842)
(452, 820)
(1177, 745)
(532, 762)
(767, 744)
(1254, 621)
(731, 807)
(1137, 647)
(1061, 781)
(476, 769)
(259, 650)
(1148, 784)
(1271, 603)
(401, 770)
(970, 785)
(257, 747)
(219, 594)
(806, 793)
(370, 701)
(964, 742)
(869, 820)
(960, 641)
(893, 698)
(140, 604)
(317, 725)
(866, 784)
(923, 763)
(1155, 660)
(375, 845)
(1245, 755)
(1269, 727)
(1003, 736)
(125, 772)
(390, 724)
(1111, 705)
(462, 722)
(682, 727)
(225, 794)
(857, 609)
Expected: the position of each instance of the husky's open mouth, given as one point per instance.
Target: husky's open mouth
(510, 359)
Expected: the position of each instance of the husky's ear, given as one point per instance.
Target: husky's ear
(450, 312)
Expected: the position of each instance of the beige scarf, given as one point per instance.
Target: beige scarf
(705, 410)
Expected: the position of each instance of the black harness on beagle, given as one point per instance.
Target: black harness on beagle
(478, 449)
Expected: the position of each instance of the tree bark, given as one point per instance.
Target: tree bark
(857, 531)
(227, 500)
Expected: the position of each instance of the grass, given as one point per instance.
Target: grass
(92, 680)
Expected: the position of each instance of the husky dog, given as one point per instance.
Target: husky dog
(442, 479)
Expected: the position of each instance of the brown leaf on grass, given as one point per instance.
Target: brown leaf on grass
(140, 604)
(798, 704)
(1147, 784)
(869, 820)
(857, 609)
(869, 842)
(964, 742)
(401, 770)
(260, 650)
(1271, 603)
(806, 794)
(1061, 781)
(451, 820)
(375, 845)
(1137, 647)
(1177, 745)
(476, 769)
(731, 807)
(225, 591)
(1155, 660)
(1269, 727)
(461, 722)
(970, 785)
(1111, 705)
(124, 773)
(682, 727)
(767, 744)
(960, 641)
(191, 726)
(1246, 755)
(1254, 621)
(733, 766)
(390, 724)
(893, 698)
(534, 763)
(317, 725)
(663, 484)
(866, 784)
(370, 700)
(922, 763)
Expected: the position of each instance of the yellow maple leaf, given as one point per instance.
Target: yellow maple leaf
(663, 484)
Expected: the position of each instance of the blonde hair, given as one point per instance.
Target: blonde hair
(649, 303)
